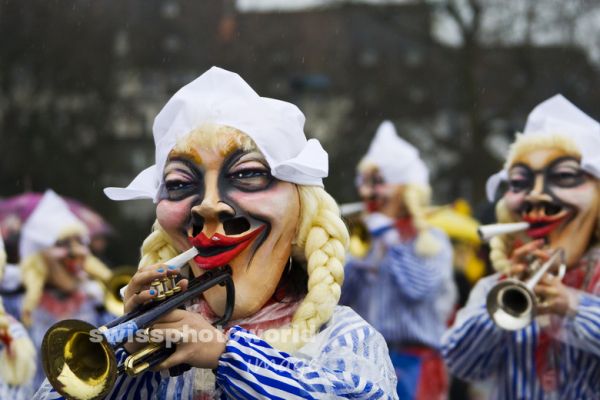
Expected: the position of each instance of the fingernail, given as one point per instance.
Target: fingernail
(161, 270)
(172, 267)
(152, 292)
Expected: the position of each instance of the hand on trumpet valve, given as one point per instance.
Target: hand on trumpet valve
(143, 288)
(554, 296)
(524, 256)
(199, 344)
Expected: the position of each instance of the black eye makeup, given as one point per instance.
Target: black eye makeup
(181, 180)
(521, 179)
(562, 173)
(248, 172)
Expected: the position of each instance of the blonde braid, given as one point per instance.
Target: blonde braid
(416, 198)
(324, 238)
(156, 247)
(34, 271)
(501, 245)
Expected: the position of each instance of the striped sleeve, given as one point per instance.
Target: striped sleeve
(472, 346)
(251, 368)
(582, 330)
(416, 276)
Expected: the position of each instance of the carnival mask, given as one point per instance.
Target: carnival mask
(548, 189)
(219, 196)
(380, 196)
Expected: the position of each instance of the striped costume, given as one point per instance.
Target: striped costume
(346, 359)
(559, 360)
(408, 298)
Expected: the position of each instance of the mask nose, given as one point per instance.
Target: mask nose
(537, 193)
(211, 212)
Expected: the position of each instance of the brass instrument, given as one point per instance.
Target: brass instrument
(486, 232)
(112, 289)
(79, 359)
(512, 303)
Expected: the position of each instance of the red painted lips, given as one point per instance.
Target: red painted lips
(541, 227)
(220, 249)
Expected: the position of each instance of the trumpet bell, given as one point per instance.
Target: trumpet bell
(511, 305)
(79, 364)
(112, 298)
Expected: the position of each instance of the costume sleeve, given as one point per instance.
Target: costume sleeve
(251, 368)
(416, 276)
(472, 346)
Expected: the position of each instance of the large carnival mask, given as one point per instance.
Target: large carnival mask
(548, 189)
(219, 195)
(380, 196)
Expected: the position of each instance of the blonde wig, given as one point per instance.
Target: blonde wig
(416, 199)
(501, 246)
(18, 366)
(322, 239)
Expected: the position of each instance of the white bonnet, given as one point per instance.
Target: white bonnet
(557, 115)
(221, 97)
(45, 224)
(397, 160)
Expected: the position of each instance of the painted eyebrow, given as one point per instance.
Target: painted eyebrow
(236, 156)
(553, 164)
(190, 163)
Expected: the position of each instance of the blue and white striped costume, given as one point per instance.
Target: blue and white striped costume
(12, 392)
(406, 297)
(475, 349)
(346, 359)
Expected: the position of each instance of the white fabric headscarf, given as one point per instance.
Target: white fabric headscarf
(221, 97)
(44, 226)
(398, 161)
(558, 116)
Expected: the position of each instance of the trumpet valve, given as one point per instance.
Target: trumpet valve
(160, 289)
(174, 287)
(166, 282)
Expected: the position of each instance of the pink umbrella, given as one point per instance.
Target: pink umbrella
(15, 210)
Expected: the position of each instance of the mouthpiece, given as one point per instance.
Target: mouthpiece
(486, 232)
(183, 258)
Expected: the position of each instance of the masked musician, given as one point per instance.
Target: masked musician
(553, 173)
(17, 354)
(56, 270)
(236, 177)
(404, 285)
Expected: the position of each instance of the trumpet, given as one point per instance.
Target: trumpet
(512, 303)
(112, 289)
(486, 232)
(80, 360)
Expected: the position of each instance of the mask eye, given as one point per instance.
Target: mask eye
(250, 179)
(566, 179)
(519, 184)
(177, 189)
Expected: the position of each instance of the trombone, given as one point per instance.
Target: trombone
(512, 303)
(80, 359)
